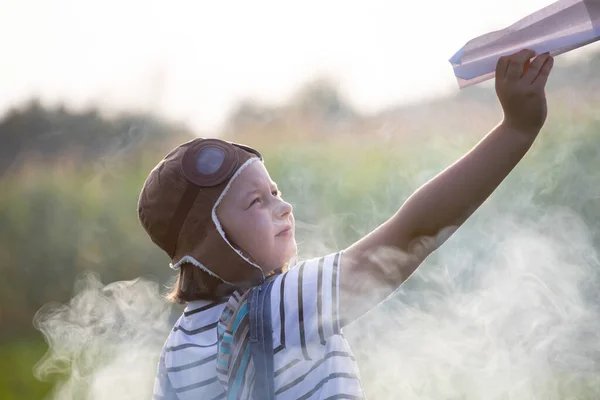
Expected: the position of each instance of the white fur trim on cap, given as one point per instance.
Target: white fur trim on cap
(192, 260)
(218, 223)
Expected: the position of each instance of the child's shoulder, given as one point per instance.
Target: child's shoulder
(331, 258)
(196, 323)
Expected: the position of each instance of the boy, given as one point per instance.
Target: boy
(213, 208)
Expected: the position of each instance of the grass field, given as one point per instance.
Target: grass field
(18, 358)
(77, 219)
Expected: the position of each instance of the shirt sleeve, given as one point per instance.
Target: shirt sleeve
(163, 390)
(305, 304)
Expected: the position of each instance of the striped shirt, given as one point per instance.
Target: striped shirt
(312, 359)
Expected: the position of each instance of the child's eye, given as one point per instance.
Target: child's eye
(275, 193)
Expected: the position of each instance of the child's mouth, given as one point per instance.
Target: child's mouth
(286, 232)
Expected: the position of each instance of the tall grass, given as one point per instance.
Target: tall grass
(57, 222)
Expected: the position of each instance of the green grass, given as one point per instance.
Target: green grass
(17, 360)
(77, 220)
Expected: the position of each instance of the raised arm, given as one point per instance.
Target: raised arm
(376, 265)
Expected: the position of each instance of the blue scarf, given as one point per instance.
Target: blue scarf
(244, 353)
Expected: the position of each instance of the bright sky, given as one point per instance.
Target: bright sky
(192, 60)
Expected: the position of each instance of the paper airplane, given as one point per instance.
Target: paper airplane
(558, 28)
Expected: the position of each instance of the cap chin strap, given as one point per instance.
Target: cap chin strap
(183, 209)
(179, 217)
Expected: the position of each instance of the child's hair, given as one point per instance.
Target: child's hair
(191, 284)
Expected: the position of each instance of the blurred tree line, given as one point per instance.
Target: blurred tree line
(34, 133)
(69, 181)
(63, 206)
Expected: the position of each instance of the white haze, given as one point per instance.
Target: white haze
(506, 309)
(105, 341)
(192, 61)
(518, 321)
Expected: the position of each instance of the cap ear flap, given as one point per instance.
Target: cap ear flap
(209, 162)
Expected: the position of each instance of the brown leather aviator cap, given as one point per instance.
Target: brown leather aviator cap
(177, 208)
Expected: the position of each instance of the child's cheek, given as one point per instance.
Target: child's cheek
(260, 222)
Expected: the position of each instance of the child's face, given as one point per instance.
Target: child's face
(253, 216)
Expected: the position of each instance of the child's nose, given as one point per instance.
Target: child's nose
(285, 208)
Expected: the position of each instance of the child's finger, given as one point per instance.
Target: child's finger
(517, 63)
(542, 76)
(501, 67)
(535, 67)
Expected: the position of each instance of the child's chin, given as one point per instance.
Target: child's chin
(293, 249)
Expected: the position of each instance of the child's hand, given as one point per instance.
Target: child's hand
(520, 88)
